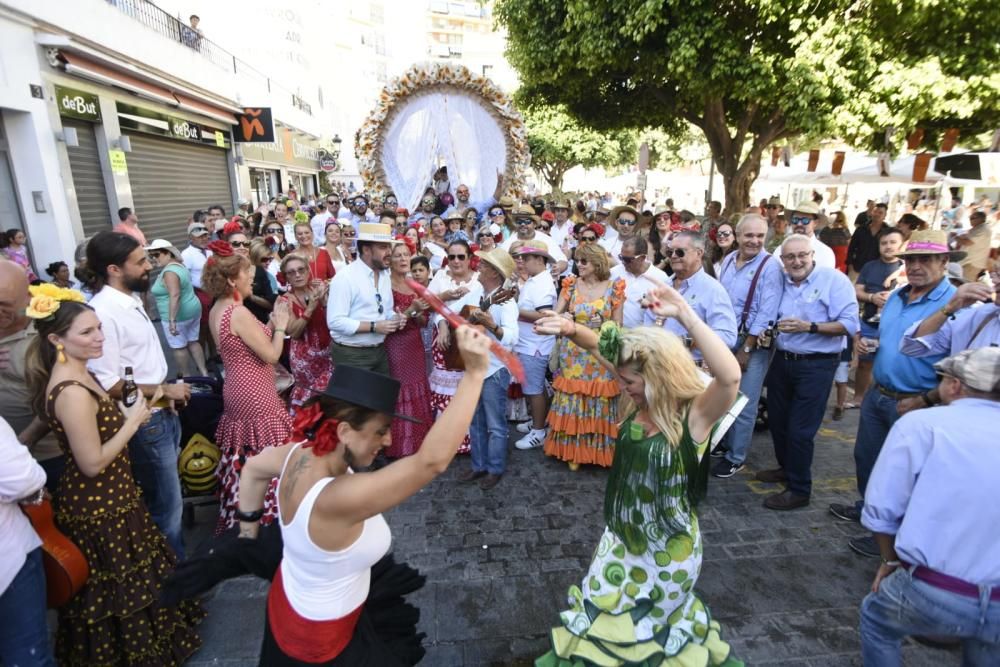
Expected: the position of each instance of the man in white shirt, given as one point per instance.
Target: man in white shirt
(24, 635)
(197, 253)
(318, 222)
(623, 225)
(121, 268)
(359, 308)
(359, 213)
(488, 433)
(640, 277)
(802, 220)
(537, 295)
(562, 229)
(525, 221)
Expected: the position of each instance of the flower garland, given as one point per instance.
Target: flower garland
(425, 77)
(46, 299)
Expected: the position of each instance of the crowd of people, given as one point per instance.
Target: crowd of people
(637, 328)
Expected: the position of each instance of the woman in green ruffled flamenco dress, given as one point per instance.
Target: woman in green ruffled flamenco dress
(637, 605)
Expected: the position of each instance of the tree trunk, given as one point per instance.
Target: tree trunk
(553, 175)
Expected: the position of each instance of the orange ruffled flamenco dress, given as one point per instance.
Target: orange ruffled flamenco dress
(583, 419)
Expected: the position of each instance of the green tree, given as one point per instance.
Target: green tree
(749, 73)
(559, 142)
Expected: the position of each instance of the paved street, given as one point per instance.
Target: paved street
(784, 585)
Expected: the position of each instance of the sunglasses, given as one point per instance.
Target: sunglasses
(523, 221)
(427, 202)
(266, 260)
(332, 202)
(678, 253)
(801, 219)
(626, 222)
(378, 300)
(240, 244)
(496, 214)
(583, 262)
(588, 239)
(724, 235)
(625, 260)
(460, 258)
(295, 272)
(544, 228)
(274, 230)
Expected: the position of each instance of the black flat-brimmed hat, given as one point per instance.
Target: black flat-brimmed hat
(366, 389)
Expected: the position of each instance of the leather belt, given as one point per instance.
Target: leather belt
(358, 347)
(895, 395)
(793, 356)
(946, 582)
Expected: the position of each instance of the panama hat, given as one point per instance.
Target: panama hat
(452, 214)
(977, 369)
(535, 247)
(930, 242)
(806, 206)
(499, 259)
(163, 244)
(365, 389)
(525, 212)
(562, 203)
(375, 232)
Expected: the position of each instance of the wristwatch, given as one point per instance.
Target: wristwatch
(371, 327)
(746, 349)
(813, 327)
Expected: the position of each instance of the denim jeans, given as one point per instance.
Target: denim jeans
(488, 435)
(738, 438)
(907, 606)
(878, 414)
(154, 450)
(797, 392)
(24, 634)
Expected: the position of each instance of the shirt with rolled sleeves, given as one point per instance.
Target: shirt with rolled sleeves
(352, 301)
(505, 315)
(709, 300)
(934, 488)
(963, 331)
(736, 281)
(826, 295)
(130, 339)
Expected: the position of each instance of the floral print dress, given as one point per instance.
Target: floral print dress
(583, 419)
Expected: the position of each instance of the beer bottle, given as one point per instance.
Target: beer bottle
(766, 340)
(130, 391)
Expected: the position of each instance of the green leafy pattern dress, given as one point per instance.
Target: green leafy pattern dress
(637, 604)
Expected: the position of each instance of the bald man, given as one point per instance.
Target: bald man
(16, 334)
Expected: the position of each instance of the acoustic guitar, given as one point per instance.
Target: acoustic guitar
(452, 356)
(66, 569)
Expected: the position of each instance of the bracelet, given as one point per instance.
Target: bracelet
(249, 516)
(890, 563)
(35, 499)
(944, 311)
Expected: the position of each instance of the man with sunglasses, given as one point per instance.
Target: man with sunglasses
(818, 308)
(754, 281)
(637, 271)
(561, 230)
(623, 223)
(703, 293)
(525, 221)
(329, 210)
(427, 210)
(802, 220)
(359, 309)
(196, 253)
(359, 213)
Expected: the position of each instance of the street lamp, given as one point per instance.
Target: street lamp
(336, 146)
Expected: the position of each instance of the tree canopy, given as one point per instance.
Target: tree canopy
(559, 142)
(749, 73)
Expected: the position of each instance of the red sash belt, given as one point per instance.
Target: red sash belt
(301, 638)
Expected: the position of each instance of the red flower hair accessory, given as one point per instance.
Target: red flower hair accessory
(403, 211)
(319, 433)
(474, 260)
(232, 227)
(221, 248)
(597, 228)
(410, 243)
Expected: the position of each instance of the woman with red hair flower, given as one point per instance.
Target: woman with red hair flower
(402, 347)
(253, 415)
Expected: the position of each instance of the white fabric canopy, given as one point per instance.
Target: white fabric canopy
(444, 127)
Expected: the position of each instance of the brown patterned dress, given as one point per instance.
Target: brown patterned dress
(116, 619)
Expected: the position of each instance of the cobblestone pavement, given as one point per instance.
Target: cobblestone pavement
(785, 586)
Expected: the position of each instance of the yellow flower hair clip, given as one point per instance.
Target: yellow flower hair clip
(46, 299)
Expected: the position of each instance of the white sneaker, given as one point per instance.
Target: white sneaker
(535, 438)
(524, 427)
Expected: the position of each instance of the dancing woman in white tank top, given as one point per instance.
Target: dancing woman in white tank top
(326, 603)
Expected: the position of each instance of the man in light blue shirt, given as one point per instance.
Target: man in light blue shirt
(818, 308)
(754, 281)
(958, 327)
(934, 505)
(498, 314)
(706, 296)
(901, 382)
(359, 308)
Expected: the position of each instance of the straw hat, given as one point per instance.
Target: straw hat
(375, 232)
(535, 247)
(499, 259)
(930, 242)
(562, 203)
(807, 206)
(163, 244)
(525, 212)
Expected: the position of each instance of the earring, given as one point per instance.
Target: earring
(237, 297)
(59, 353)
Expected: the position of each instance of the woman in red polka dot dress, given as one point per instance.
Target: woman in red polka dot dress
(254, 416)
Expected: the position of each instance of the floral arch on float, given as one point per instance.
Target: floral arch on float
(442, 115)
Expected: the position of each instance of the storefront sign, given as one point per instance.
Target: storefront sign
(256, 125)
(119, 167)
(287, 149)
(145, 120)
(78, 104)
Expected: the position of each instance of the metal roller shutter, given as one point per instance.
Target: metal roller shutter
(170, 179)
(88, 181)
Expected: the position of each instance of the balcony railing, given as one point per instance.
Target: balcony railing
(152, 16)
